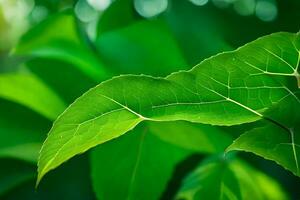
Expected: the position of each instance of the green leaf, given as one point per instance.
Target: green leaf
(147, 157)
(229, 179)
(228, 89)
(110, 20)
(61, 76)
(57, 37)
(271, 143)
(138, 48)
(277, 142)
(28, 90)
(25, 103)
(201, 138)
(141, 159)
(69, 187)
(22, 132)
(14, 173)
(199, 30)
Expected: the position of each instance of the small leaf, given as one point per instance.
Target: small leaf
(111, 20)
(57, 38)
(29, 91)
(229, 179)
(231, 88)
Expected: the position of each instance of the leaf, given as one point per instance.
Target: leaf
(110, 20)
(141, 159)
(277, 142)
(22, 126)
(22, 132)
(57, 38)
(199, 30)
(147, 157)
(228, 89)
(14, 173)
(146, 47)
(69, 187)
(203, 38)
(199, 138)
(229, 179)
(64, 83)
(28, 90)
(271, 143)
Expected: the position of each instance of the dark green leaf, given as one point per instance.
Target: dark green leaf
(146, 47)
(231, 180)
(21, 132)
(147, 157)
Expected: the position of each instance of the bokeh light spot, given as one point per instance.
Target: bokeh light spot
(266, 10)
(39, 13)
(85, 12)
(245, 7)
(150, 8)
(99, 5)
(199, 2)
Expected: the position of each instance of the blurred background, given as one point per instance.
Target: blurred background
(229, 23)
(154, 37)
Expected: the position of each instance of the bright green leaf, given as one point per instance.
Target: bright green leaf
(58, 38)
(228, 89)
(28, 90)
(64, 83)
(199, 138)
(22, 130)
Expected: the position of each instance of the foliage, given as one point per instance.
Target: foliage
(148, 123)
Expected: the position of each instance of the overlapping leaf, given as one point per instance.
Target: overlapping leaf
(231, 88)
(28, 90)
(147, 158)
(147, 47)
(229, 179)
(58, 38)
(27, 108)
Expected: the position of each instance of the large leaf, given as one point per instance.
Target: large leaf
(147, 157)
(28, 90)
(228, 89)
(199, 30)
(229, 179)
(58, 38)
(146, 47)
